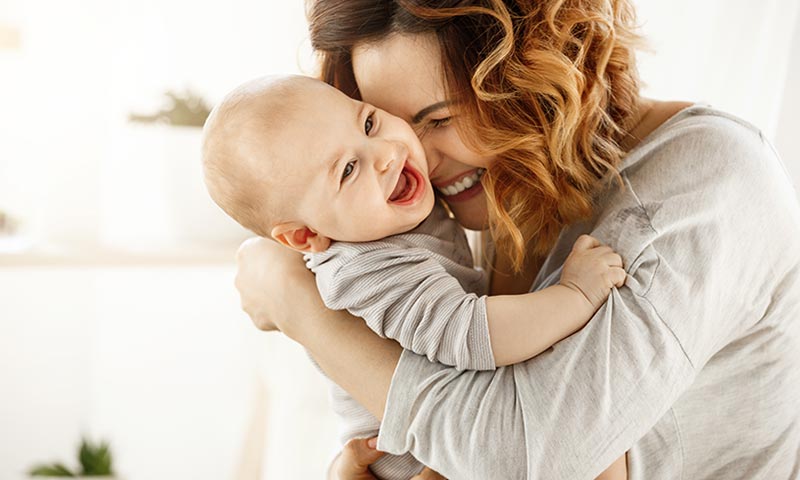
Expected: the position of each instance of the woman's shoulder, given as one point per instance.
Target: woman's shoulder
(704, 148)
(708, 127)
(697, 136)
(701, 169)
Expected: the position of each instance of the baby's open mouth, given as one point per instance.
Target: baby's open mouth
(407, 185)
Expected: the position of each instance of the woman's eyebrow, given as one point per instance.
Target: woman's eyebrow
(428, 110)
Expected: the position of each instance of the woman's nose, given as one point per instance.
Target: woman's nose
(432, 154)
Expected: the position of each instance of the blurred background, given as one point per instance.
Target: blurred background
(118, 316)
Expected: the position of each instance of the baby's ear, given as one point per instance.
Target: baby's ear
(299, 237)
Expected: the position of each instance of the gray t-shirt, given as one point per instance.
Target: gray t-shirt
(693, 367)
(419, 288)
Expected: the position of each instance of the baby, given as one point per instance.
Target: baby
(293, 159)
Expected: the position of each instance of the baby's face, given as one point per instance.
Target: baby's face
(357, 173)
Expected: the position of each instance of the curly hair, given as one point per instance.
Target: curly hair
(545, 85)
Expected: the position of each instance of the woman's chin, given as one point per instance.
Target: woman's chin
(471, 214)
(472, 224)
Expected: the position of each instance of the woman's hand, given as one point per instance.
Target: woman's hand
(356, 457)
(271, 279)
(354, 461)
(428, 474)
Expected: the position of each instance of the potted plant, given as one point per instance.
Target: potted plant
(186, 109)
(155, 191)
(94, 459)
(13, 236)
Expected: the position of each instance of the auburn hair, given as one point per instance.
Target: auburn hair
(545, 85)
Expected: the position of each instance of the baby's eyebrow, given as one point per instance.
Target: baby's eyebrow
(428, 110)
(336, 159)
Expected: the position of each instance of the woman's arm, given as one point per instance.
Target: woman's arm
(344, 347)
(475, 404)
(278, 292)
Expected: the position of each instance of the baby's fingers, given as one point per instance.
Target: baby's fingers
(585, 242)
(618, 276)
(613, 259)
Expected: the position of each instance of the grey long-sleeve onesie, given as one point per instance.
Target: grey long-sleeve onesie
(419, 288)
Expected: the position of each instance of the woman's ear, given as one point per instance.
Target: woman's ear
(299, 237)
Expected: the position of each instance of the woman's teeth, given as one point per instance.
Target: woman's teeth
(467, 182)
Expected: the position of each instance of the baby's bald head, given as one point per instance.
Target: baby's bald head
(296, 160)
(240, 163)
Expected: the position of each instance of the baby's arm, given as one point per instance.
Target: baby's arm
(406, 295)
(523, 326)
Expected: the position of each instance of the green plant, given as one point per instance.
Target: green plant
(7, 224)
(186, 108)
(94, 458)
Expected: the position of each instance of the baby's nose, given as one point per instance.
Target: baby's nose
(387, 156)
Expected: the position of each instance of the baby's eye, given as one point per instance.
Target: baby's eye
(348, 169)
(368, 124)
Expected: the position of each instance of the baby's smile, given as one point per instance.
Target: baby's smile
(406, 190)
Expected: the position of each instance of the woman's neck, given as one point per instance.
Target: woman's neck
(648, 116)
(503, 280)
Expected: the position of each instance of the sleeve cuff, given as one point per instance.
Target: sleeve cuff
(479, 342)
(398, 414)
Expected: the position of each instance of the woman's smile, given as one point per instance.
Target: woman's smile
(462, 186)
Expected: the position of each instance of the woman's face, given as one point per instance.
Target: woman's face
(402, 75)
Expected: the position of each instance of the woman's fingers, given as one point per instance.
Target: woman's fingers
(428, 474)
(357, 455)
(269, 278)
(253, 259)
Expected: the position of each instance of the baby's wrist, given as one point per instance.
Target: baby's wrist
(579, 296)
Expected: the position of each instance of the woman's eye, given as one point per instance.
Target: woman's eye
(368, 124)
(440, 122)
(433, 124)
(348, 169)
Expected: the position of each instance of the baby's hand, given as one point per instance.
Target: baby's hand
(592, 269)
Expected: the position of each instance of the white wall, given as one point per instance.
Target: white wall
(733, 54)
(159, 359)
(84, 65)
(787, 139)
(740, 56)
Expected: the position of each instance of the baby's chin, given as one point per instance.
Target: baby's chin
(425, 209)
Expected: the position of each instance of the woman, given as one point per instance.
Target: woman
(691, 367)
